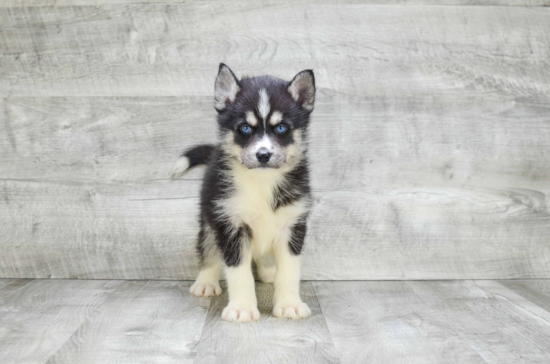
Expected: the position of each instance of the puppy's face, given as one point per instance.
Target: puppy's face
(263, 120)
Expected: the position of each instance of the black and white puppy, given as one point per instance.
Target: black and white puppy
(255, 196)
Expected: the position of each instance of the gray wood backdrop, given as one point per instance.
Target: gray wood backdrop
(430, 141)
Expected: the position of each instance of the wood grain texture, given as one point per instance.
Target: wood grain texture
(101, 232)
(369, 50)
(142, 322)
(429, 143)
(9, 287)
(419, 188)
(386, 322)
(37, 320)
(70, 321)
(29, 3)
(536, 291)
(501, 326)
(269, 340)
(502, 292)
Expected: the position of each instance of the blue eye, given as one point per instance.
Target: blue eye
(246, 129)
(281, 129)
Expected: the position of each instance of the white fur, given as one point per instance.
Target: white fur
(265, 142)
(263, 105)
(267, 270)
(303, 82)
(251, 119)
(294, 151)
(242, 306)
(286, 298)
(207, 283)
(226, 88)
(180, 167)
(231, 148)
(275, 118)
(252, 203)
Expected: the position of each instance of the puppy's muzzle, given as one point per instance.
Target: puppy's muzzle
(263, 155)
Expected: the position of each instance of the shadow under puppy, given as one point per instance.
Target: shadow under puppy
(255, 195)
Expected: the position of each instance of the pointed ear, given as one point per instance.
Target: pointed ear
(226, 87)
(302, 89)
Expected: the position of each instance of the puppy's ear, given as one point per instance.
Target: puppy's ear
(226, 87)
(302, 89)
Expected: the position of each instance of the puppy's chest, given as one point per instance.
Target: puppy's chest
(254, 206)
(253, 202)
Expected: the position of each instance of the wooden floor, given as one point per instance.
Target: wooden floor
(113, 321)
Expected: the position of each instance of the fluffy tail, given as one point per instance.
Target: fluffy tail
(192, 157)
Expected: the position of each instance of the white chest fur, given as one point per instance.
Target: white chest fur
(252, 204)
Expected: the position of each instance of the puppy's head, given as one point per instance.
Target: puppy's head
(263, 120)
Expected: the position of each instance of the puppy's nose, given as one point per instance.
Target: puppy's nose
(263, 155)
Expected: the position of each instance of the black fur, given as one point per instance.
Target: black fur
(298, 234)
(201, 241)
(296, 186)
(200, 154)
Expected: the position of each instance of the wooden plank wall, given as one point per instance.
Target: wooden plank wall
(430, 142)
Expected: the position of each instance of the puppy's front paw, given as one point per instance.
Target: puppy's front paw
(292, 309)
(236, 313)
(205, 290)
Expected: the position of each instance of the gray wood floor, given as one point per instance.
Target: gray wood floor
(108, 321)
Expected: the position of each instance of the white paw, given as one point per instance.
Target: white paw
(267, 274)
(240, 314)
(291, 310)
(205, 290)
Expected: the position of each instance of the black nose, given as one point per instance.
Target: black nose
(263, 155)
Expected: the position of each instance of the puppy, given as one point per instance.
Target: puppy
(255, 195)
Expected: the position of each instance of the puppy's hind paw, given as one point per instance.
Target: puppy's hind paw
(295, 310)
(205, 290)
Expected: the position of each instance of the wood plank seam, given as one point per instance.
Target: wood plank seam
(514, 303)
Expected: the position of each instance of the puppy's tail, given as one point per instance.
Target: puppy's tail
(195, 156)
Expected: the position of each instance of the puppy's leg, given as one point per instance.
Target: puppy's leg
(208, 281)
(242, 306)
(286, 299)
(266, 269)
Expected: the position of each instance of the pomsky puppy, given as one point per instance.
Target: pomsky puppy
(255, 195)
